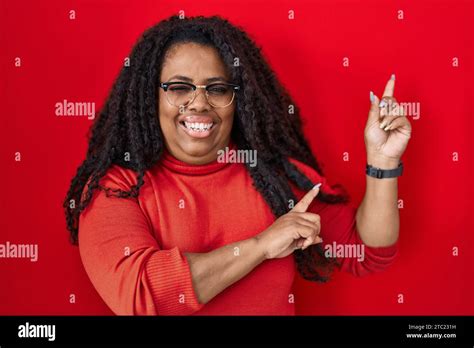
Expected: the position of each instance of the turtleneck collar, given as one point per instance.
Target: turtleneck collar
(178, 166)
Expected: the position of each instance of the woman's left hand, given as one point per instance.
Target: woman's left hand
(388, 130)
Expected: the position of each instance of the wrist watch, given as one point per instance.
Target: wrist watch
(384, 173)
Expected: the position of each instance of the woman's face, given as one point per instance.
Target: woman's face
(200, 65)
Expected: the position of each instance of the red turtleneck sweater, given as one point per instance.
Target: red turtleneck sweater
(132, 249)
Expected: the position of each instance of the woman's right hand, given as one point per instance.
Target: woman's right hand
(294, 230)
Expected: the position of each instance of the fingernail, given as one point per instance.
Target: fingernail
(392, 77)
(383, 103)
(387, 128)
(372, 98)
(317, 186)
(382, 124)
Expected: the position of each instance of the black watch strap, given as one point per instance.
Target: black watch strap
(384, 173)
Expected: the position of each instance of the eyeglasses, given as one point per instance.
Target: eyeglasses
(218, 95)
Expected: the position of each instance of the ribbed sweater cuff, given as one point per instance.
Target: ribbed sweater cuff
(171, 285)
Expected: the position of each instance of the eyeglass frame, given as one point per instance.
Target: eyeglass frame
(165, 86)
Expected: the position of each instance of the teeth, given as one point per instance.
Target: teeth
(198, 127)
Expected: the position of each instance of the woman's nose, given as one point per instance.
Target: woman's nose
(200, 101)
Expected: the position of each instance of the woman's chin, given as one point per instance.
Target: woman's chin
(199, 151)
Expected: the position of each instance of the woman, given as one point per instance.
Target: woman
(167, 226)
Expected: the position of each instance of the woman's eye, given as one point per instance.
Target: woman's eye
(218, 89)
(180, 89)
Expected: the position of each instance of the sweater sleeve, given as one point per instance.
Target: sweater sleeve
(339, 232)
(123, 260)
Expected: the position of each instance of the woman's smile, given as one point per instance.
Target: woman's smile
(197, 126)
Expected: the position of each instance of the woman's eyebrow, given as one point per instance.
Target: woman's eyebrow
(180, 77)
(213, 79)
(188, 79)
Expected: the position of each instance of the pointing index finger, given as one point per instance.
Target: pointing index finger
(389, 87)
(304, 203)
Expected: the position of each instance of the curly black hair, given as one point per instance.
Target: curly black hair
(128, 122)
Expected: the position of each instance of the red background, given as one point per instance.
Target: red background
(78, 60)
